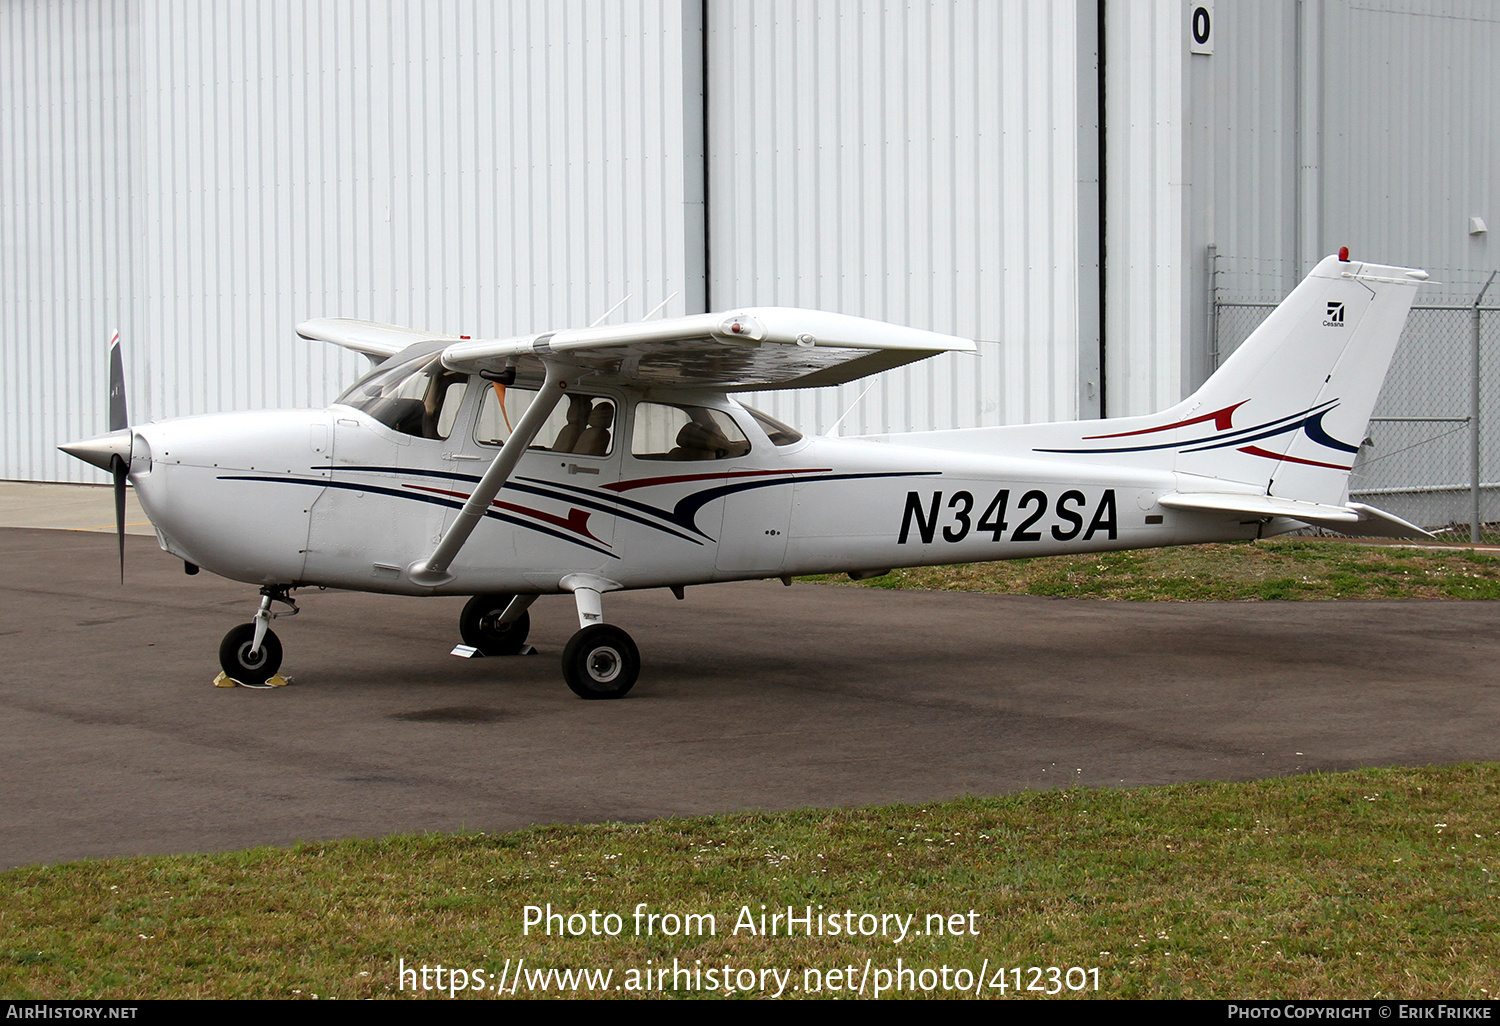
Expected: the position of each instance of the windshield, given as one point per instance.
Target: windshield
(418, 397)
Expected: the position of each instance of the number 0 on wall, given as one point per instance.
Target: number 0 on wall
(1201, 26)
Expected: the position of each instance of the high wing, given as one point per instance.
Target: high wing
(378, 342)
(752, 349)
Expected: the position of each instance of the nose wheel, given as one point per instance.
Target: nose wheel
(241, 660)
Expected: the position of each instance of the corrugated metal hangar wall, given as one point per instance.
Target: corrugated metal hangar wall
(1366, 123)
(1305, 126)
(204, 175)
(919, 164)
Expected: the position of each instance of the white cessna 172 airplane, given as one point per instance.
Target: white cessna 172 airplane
(605, 458)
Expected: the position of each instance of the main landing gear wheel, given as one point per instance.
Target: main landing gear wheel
(480, 628)
(601, 661)
(238, 663)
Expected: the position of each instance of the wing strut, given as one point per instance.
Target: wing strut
(433, 570)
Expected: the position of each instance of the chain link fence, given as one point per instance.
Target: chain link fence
(1421, 455)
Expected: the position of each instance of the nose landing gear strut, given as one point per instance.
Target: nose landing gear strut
(251, 652)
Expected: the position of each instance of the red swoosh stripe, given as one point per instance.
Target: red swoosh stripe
(1255, 450)
(577, 520)
(1223, 421)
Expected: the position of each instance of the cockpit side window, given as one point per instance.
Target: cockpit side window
(581, 424)
(685, 433)
(418, 398)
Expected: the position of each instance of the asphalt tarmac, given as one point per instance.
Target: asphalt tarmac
(114, 742)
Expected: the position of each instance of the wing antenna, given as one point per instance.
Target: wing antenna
(659, 307)
(605, 315)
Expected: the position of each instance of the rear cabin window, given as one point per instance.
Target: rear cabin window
(685, 433)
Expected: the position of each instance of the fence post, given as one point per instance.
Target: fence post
(1474, 421)
(1213, 307)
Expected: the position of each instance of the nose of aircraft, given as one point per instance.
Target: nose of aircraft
(102, 449)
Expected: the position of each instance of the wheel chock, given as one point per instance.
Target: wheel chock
(223, 680)
(470, 652)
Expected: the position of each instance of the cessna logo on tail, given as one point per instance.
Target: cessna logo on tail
(1335, 316)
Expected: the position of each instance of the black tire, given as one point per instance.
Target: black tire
(601, 661)
(476, 625)
(234, 655)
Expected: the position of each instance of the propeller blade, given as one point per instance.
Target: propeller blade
(112, 452)
(117, 416)
(119, 468)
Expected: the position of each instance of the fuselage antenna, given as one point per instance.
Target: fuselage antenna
(833, 431)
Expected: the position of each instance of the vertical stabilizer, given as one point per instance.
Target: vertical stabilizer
(1290, 406)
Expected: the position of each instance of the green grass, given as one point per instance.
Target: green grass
(1291, 569)
(1353, 885)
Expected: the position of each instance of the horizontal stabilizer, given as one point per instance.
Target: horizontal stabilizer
(1356, 518)
(1377, 523)
(377, 341)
